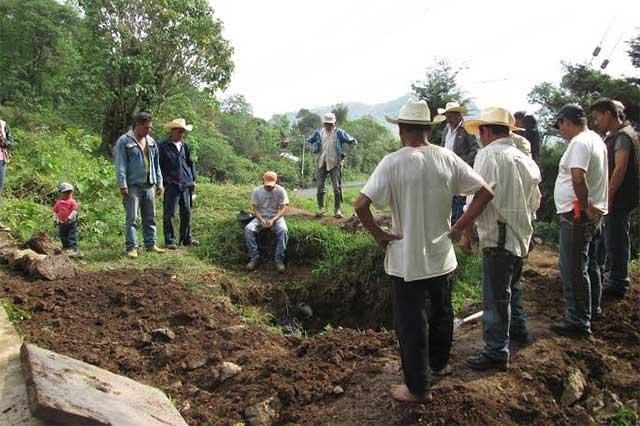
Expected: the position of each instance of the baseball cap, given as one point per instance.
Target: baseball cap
(65, 187)
(329, 118)
(570, 111)
(270, 178)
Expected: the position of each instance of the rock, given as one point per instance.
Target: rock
(163, 334)
(232, 331)
(612, 403)
(264, 413)
(227, 370)
(43, 244)
(66, 391)
(57, 323)
(304, 310)
(195, 363)
(186, 406)
(632, 405)
(338, 390)
(594, 403)
(573, 388)
(527, 376)
(537, 240)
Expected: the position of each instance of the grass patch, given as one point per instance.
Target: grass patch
(14, 313)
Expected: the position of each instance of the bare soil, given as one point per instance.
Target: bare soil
(107, 319)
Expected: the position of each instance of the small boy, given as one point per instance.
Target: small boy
(65, 213)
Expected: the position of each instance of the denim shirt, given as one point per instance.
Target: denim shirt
(342, 137)
(129, 162)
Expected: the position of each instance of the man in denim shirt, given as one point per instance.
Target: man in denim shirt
(328, 142)
(138, 172)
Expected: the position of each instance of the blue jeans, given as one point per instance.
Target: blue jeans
(502, 306)
(575, 241)
(282, 237)
(616, 231)
(143, 198)
(174, 196)
(457, 208)
(68, 232)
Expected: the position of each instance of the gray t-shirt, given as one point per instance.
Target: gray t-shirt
(269, 202)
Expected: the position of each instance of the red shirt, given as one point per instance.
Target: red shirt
(63, 208)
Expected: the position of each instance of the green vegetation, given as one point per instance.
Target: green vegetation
(14, 313)
(625, 417)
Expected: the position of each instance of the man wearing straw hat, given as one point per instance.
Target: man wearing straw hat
(417, 183)
(504, 229)
(179, 175)
(455, 138)
(329, 143)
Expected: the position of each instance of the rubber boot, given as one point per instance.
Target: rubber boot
(337, 203)
(320, 198)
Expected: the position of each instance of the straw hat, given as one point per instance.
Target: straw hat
(329, 118)
(439, 119)
(453, 107)
(413, 112)
(178, 123)
(493, 115)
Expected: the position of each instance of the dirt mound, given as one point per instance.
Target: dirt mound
(150, 327)
(353, 223)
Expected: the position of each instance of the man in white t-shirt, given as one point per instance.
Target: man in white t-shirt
(269, 202)
(580, 195)
(417, 182)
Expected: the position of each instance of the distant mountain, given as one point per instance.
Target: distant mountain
(378, 111)
(359, 109)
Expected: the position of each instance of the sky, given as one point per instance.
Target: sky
(291, 54)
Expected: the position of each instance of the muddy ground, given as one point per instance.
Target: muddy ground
(108, 318)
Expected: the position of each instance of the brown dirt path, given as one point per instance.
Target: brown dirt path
(106, 319)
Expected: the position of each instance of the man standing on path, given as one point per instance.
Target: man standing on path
(329, 143)
(455, 138)
(179, 175)
(623, 149)
(417, 183)
(138, 172)
(504, 228)
(6, 141)
(580, 195)
(269, 202)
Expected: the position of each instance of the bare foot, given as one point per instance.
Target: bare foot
(401, 393)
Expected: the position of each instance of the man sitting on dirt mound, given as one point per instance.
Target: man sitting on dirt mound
(505, 228)
(418, 182)
(269, 203)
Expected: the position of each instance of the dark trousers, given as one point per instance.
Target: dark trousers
(618, 243)
(173, 197)
(423, 322)
(501, 294)
(457, 208)
(68, 232)
(575, 239)
(597, 256)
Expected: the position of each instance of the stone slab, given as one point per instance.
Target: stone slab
(14, 404)
(71, 392)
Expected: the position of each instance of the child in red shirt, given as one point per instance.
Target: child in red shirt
(65, 214)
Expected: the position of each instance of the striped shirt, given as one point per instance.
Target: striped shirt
(514, 178)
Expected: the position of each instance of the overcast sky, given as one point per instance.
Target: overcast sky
(291, 53)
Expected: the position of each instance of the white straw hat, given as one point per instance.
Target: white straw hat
(453, 107)
(178, 123)
(413, 112)
(493, 115)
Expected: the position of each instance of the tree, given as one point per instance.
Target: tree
(634, 51)
(143, 51)
(583, 84)
(307, 121)
(36, 49)
(341, 111)
(439, 87)
(236, 104)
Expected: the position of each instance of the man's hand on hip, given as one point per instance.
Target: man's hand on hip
(384, 238)
(124, 192)
(159, 191)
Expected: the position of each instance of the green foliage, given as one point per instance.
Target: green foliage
(14, 313)
(634, 50)
(625, 417)
(440, 87)
(341, 111)
(374, 142)
(307, 121)
(583, 85)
